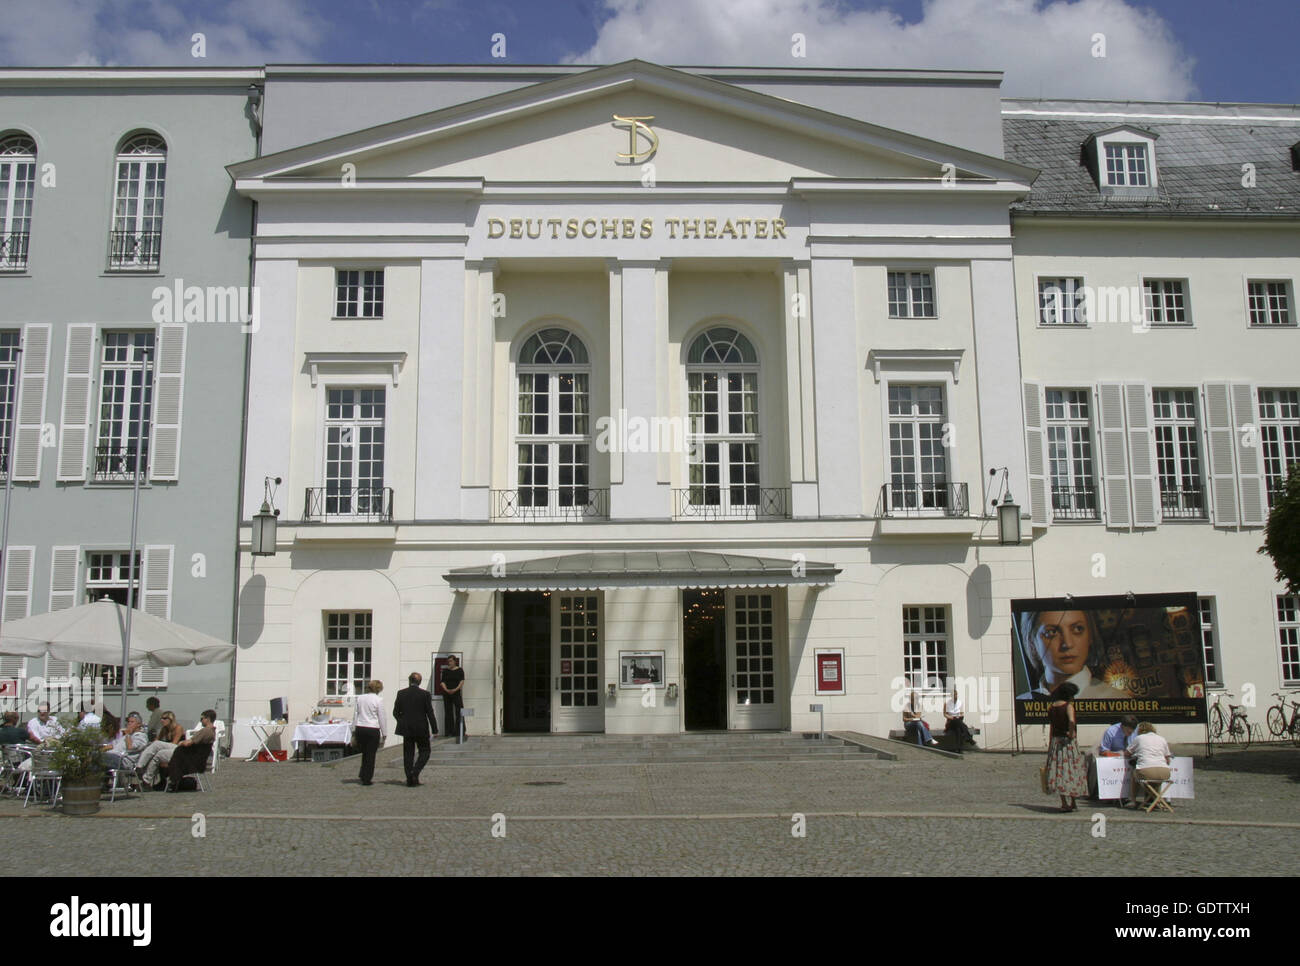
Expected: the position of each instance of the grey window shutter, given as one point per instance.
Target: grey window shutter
(1250, 463)
(158, 582)
(13, 668)
(64, 564)
(1040, 503)
(74, 429)
(1220, 445)
(148, 676)
(31, 402)
(1114, 461)
(168, 396)
(1142, 454)
(19, 564)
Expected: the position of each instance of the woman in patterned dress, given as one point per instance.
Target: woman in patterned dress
(1067, 772)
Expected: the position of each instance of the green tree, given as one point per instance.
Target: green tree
(1282, 534)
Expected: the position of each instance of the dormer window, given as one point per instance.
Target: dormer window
(1123, 162)
(1126, 166)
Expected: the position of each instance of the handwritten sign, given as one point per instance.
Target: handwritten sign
(1115, 778)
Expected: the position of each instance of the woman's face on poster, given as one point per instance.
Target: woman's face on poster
(1066, 640)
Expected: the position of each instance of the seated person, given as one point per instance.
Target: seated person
(122, 751)
(1118, 737)
(44, 726)
(158, 753)
(11, 732)
(954, 714)
(1151, 758)
(914, 725)
(191, 755)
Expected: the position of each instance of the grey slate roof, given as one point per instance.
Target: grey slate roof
(1198, 163)
(644, 568)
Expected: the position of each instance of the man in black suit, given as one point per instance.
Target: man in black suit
(413, 712)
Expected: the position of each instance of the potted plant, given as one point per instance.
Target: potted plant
(78, 758)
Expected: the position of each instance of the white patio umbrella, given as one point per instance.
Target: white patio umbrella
(95, 633)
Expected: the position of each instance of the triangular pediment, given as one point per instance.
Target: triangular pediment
(565, 131)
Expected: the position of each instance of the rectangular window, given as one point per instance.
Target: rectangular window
(1288, 633)
(1126, 165)
(1178, 459)
(925, 647)
(354, 453)
(1209, 643)
(1269, 303)
(1165, 301)
(1069, 454)
(1279, 435)
(125, 406)
(918, 462)
(108, 577)
(1061, 301)
(8, 393)
(552, 442)
(722, 410)
(347, 652)
(359, 294)
(911, 295)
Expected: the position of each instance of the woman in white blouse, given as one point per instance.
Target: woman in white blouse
(1151, 756)
(370, 728)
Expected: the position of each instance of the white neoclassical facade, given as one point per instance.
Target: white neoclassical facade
(668, 400)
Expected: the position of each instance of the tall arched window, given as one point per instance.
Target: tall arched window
(553, 432)
(135, 243)
(722, 405)
(17, 188)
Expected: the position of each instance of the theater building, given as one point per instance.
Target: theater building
(676, 399)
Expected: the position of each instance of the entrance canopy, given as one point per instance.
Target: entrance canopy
(691, 569)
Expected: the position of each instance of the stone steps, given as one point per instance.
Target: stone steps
(549, 750)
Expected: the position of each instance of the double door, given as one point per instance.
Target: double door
(554, 667)
(731, 660)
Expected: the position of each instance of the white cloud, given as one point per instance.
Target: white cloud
(56, 33)
(1044, 48)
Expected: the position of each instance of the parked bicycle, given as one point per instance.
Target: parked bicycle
(1278, 725)
(1237, 725)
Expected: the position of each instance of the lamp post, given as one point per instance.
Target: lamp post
(265, 523)
(1008, 511)
(145, 393)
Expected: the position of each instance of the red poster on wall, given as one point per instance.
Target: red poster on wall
(830, 672)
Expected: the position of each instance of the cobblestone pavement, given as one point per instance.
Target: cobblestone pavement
(980, 815)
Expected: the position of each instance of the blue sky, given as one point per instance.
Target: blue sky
(1163, 49)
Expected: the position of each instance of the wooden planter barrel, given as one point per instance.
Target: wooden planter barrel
(82, 798)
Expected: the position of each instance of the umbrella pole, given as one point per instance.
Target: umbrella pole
(135, 520)
(9, 464)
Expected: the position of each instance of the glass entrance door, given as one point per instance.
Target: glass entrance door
(576, 703)
(527, 666)
(704, 659)
(752, 662)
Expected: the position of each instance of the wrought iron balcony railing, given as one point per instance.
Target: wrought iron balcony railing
(924, 500)
(551, 503)
(1183, 503)
(134, 251)
(13, 251)
(738, 502)
(1074, 502)
(119, 464)
(351, 504)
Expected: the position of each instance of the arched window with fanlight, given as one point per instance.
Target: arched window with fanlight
(17, 189)
(135, 243)
(723, 439)
(553, 427)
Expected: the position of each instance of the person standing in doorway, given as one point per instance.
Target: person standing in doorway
(453, 697)
(371, 729)
(413, 712)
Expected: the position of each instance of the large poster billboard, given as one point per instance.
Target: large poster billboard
(1136, 654)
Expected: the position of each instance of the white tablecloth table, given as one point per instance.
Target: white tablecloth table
(322, 734)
